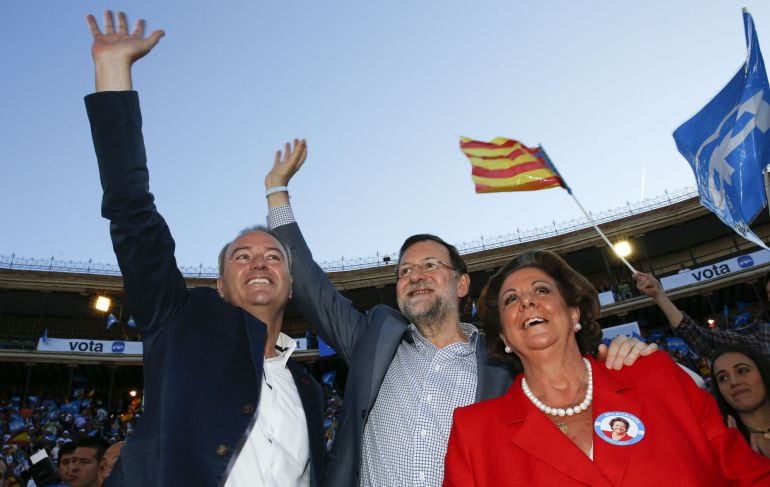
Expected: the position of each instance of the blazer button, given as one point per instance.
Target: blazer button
(222, 450)
(363, 414)
(247, 409)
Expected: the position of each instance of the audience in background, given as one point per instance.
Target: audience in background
(58, 428)
(703, 340)
(46, 424)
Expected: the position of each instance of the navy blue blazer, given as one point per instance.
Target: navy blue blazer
(202, 356)
(367, 343)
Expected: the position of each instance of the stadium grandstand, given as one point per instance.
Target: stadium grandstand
(56, 346)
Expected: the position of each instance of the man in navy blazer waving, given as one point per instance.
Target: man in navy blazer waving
(224, 404)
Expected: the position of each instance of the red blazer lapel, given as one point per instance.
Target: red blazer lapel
(609, 395)
(529, 429)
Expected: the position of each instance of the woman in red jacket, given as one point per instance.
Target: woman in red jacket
(538, 315)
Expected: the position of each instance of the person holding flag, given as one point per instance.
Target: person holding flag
(727, 144)
(701, 339)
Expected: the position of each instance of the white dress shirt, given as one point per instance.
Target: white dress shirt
(276, 452)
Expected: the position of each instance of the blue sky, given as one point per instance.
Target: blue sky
(381, 91)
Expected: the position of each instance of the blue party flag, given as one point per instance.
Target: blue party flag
(111, 320)
(727, 143)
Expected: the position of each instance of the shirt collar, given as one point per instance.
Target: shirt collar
(413, 336)
(285, 346)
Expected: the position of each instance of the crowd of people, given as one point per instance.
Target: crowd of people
(35, 423)
(59, 427)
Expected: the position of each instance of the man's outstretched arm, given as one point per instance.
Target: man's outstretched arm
(155, 288)
(335, 318)
(624, 351)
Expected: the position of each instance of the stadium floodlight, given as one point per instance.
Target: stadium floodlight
(103, 303)
(622, 248)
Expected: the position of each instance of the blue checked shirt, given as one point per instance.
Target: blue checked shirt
(406, 435)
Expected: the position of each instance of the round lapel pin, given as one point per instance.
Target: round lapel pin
(619, 428)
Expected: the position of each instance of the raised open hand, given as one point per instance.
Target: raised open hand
(286, 164)
(117, 46)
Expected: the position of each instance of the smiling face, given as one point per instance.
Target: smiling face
(255, 273)
(619, 427)
(740, 382)
(533, 314)
(432, 296)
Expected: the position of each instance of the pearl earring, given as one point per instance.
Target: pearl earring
(578, 327)
(507, 349)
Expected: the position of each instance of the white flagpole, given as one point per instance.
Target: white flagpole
(593, 223)
(596, 227)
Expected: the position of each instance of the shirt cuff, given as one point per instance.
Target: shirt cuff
(686, 323)
(279, 216)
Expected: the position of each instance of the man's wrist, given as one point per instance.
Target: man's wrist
(276, 189)
(113, 76)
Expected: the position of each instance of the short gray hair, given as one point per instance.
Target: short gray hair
(247, 230)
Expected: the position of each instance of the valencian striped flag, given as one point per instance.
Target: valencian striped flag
(508, 165)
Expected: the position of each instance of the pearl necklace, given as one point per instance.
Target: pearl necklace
(583, 406)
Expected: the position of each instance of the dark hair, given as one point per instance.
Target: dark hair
(95, 442)
(455, 259)
(67, 448)
(614, 420)
(454, 255)
(763, 367)
(252, 229)
(573, 287)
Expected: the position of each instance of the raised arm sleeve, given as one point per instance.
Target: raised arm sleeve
(154, 286)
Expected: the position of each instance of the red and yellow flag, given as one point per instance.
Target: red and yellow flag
(508, 165)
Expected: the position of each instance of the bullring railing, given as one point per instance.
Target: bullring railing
(14, 261)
